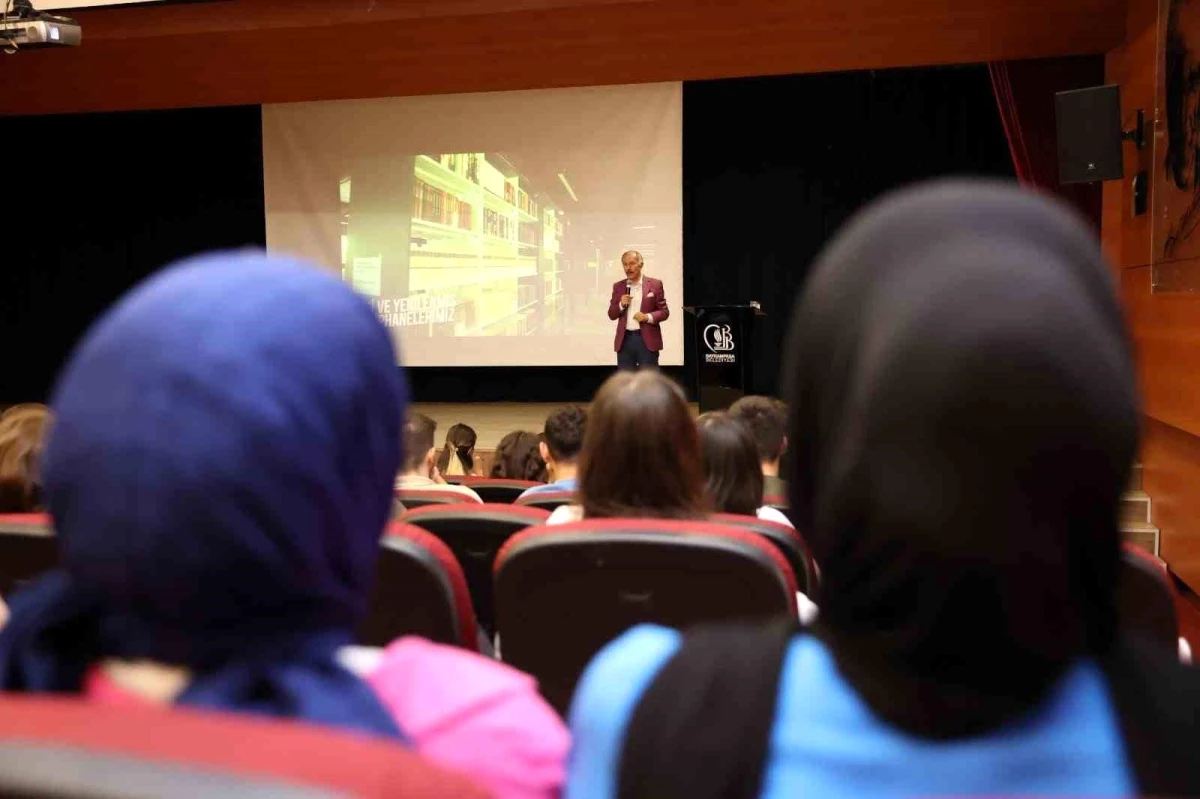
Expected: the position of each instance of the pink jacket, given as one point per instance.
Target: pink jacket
(654, 302)
(460, 710)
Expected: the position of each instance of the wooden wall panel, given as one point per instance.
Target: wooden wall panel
(1165, 327)
(1171, 475)
(1132, 65)
(1166, 334)
(252, 51)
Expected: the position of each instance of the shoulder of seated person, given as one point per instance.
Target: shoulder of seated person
(565, 514)
(154, 682)
(625, 664)
(430, 683)
(769, 514)
(413, 652)
(636, 642)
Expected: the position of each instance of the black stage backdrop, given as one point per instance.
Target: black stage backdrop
(771, 167)
(99, 202)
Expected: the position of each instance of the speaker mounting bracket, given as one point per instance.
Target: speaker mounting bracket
(1137, 134)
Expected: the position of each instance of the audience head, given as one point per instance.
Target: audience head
(220, 471)
(419, 452)
(641, 452)
(563, 435)
(766, 419)
(23, 431)
(518, 457)
(962, 422)
(731, 466)
(458, 454)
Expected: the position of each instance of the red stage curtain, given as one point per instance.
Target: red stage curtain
(1025, 96)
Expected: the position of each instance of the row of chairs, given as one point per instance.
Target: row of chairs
(495, 489)
(502, 490)
(556, 595)
(475, 533)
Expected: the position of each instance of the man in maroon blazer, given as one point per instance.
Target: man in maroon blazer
(639, 306)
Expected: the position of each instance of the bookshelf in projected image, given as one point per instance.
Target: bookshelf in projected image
(483, 234)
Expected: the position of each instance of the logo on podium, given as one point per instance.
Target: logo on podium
(719, 340)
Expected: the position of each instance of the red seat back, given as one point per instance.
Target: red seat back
(475, 533)
(243, 752)
(419, 590)
(420, 497)
(789, 543)
(27, 548)
(496, 489)
(1146, 597)
(563, 592)
(548, 500)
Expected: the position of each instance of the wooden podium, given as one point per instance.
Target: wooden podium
(724, 336)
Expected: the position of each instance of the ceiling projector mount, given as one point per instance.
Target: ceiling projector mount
(22, 26)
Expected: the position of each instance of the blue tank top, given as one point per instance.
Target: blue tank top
(826, 742)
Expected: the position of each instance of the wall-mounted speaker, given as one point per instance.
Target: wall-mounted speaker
(1089, 134)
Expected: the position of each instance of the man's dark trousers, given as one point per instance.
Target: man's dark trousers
(635, 353)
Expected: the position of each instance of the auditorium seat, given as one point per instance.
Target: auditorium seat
(420, 497)
(1146, 597)
(789, 543)
(85, 750)
(563, 592)
(548, 500)
(475, 533)
(496, 489)
(27, 548)
(419, 590)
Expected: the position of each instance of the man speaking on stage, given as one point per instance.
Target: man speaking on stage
(639, 337)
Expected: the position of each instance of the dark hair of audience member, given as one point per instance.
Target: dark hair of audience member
(419, 431)
(517, 457)
(460, 444)
(957, 468)
(766, 419)
(23, 430)
(641, 452)
(564, 432)
(731, 466)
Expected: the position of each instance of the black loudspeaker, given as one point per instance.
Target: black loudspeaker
(1089, 134)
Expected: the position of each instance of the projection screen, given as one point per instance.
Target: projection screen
(486, 229)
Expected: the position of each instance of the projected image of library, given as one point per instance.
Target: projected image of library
(478, 253)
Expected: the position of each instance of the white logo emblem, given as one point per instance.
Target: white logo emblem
(718, 338)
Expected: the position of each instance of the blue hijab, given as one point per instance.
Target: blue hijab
(219, 474)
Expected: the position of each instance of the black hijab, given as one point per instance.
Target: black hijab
(962, 421)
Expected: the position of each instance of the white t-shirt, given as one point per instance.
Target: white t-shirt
(564, 514)
(424, 483)
(635, 306)
(768, 514)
